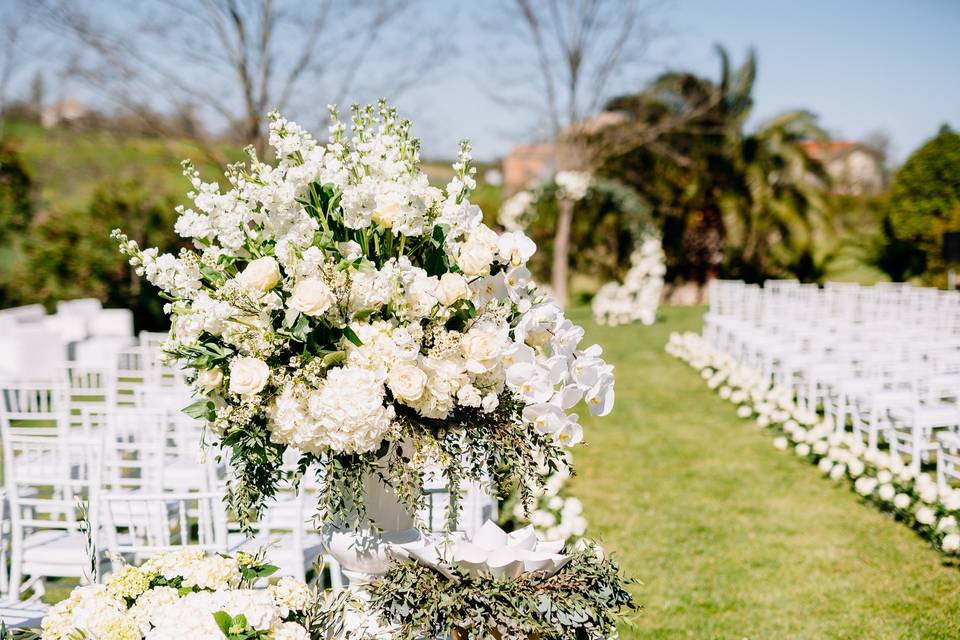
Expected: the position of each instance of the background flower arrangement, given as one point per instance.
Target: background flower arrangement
(635, 299)
(879, 477)
(339, 305)
(610, 222)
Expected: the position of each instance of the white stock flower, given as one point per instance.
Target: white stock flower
(248, 376)
(312, 297)
(515, 248)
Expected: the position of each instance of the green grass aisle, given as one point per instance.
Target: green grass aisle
(732, 538)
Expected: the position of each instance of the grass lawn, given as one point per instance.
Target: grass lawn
(730, 537)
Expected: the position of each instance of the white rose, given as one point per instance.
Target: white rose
(452, 287)
(248, 375)
(780, 443)
(210, 379)
(929, 494)
(407, 382)
(262, 274)
(311, 296)
(803, 450)
(475, 259)
(901, 501)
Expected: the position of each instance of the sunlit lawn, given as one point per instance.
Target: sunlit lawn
(732, 538)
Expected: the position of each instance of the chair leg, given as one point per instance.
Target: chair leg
(16, 571)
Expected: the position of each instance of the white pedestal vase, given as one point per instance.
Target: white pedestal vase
(363, 553)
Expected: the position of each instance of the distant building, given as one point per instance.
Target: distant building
(854, 168)
(526, 164)
(531, 163)
(63, 112)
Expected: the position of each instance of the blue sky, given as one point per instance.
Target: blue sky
(862, 65)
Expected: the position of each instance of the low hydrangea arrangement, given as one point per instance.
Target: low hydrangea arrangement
(337, 304)
(186, 594)
(879, 477)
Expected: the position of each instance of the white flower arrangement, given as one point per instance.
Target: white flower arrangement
(337, 304)
(636, 298)
(186, 594)
(879, 477)
(573, 185)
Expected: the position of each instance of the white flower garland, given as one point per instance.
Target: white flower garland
(879, 477)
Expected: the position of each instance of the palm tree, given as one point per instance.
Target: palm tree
(718, 190)
(780, 202)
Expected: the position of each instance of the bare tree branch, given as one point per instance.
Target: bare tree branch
(234, 60)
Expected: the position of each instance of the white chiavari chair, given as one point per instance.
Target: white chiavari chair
(52, 487)
(139, 525)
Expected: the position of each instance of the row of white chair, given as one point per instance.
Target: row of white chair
(883, 361)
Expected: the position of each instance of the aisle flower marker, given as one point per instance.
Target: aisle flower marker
(878, 477)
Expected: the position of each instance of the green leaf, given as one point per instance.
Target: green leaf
(201, 410)
(224, 621)
(352, 337)
(334, 358)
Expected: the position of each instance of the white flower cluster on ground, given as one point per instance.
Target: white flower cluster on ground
(637, 298)
(176, 595)
(336, 298)
(556, 515)
(879, 477)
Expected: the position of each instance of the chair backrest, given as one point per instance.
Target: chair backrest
(48, 480)
(35, 409)
(139, 525)
(134, 446)
(90, 385)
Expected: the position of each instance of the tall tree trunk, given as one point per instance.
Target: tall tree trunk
(561, 252)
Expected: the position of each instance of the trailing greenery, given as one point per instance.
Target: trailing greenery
(583, 600)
